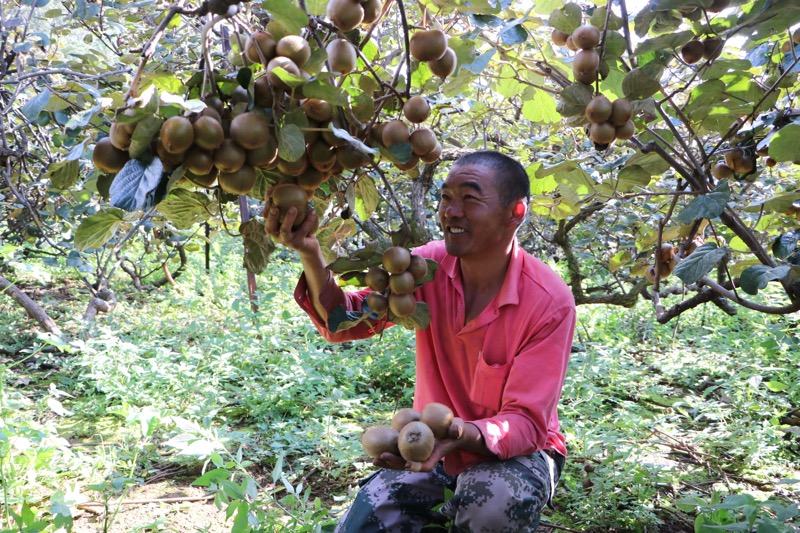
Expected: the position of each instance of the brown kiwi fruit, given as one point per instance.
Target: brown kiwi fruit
(208, 132)
(240, 181)
(293, 168)
(693, 51)
(286, 195)
(377, 278)
(395, 132)
(626, 131)
(379, 439)
(558, 37)
(342, 56)
(378, 302)
(177, 134)
(586, 37)
(428, 45)
(350, 157)
(198, 161)
(438, 417)
(416, 109)
(744, 165)
(317, 109)
(321, 155)
(396, 259)
(434, 155)
(603, 133)
(585, 65)
(423, 141)
(311, 178)
(718, 5)
(229, 157)
(120, 136)
(345, 14)
(168, 157)
(418, 267)
(262, 93)
(570, 44)
(732, 156)
(666, 252)
(416, 442)
(107, 157)
(402, 305)
(372, 10)
(445, 65)
(295, 48)
(621, 112)
(722, 171)
(712, 48)
(260, 40)
(286, 64)
(264, 156)
(598, 109)
(402, 283)
(770, 162)
(412, 162)
(206, 180)
(250, 130)
(403, 417)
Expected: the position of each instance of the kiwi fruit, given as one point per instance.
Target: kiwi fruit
(712, 48)
(240, 181)
(345, 14)
(770, 162)
(586, 37)
(763, 151)
(666, 252)
(416, 109)
(395, 132)
(120, 136)
(377, 302)
(208, 132)
(377, 278)
(286, 195)
(402, 305)
(396, 259)
(129, 126)
(262, 93)
(416, 442)
(796, 36)
(321, 155)
(379, 439)
(293, 168)
(169, 158)
(445, 65)
(598, 109)
(250, 130)
(404, 416)
(258, 44)
(558, 37)
(206, 180)
(722, 171)
(264, 156)
(423, 141)
(342, 56)
(107, 157)
(428, 45)
(418, 267)
(585, 65)
(621, 112)
(295, 48)
(744, 165)
(350, 157)
(626, 131)
(570, 44)
(603, 133)
(402, 283)
(317, 109)
(412, 162)
(733, 156)
(311, 178)
(693, 51)
(438, 417)
(198, 161)
(177, 134)
(718, 5)
(372, 10)
(229, 157)
(434, 155)
(286, 64)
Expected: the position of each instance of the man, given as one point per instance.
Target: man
(495, 352)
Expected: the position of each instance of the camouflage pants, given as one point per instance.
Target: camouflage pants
(492, 496)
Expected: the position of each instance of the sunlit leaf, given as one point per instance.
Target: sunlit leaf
(98, 229)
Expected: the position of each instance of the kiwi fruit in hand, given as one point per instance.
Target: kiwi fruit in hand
(416, 441)
(379, 439)
(403, 417)
(438, 417)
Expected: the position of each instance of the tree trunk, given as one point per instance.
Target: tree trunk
(32, 308)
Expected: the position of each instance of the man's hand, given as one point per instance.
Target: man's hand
(441, 448)
(301, 239)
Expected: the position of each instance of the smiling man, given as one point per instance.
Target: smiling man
(495, 352)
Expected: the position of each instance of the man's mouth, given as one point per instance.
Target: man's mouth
(457, 230)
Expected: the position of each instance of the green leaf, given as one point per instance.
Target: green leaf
(540, 108)
(146, 130)
(63, 174)
(291, 142)
(699, 263)
(574, 99)
(400, 152)
(481, 62)
(776, 386)
(258, 247)
(637, 85)
(786, 244)
(669, 41)
(287, 13)
(631, 177)
(288, 78)
(513, 34)
(708, 205)
(783, 146)
(185, 208)
(566, 19)
(598, 20)
(35, 105)
(367, 197)
(756, 277)
(325, 91)
(340, 319)
(98, 229)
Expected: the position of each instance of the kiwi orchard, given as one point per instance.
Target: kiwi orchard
(661, 137)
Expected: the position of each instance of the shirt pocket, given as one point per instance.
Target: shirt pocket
(488, 383)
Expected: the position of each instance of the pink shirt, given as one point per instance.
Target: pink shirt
(503, 371)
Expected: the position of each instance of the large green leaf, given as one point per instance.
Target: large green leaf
(287, 13)
(786, 244)
(708, 205)
(98, 229)
(325, 91)
(567, 18)
(699, 263)
(756, 277)
(638, 84)
(185, 208)
(291, 142)
(664, 42)
(784, 144)
(258, 247)
(35, 105)
(573, 99)
(367, 197)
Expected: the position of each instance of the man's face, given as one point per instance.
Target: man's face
(473, 219)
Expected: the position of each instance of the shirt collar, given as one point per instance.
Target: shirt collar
(509, 292)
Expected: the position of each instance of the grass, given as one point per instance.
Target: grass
(669, 427)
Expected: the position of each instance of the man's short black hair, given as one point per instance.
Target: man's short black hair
(512, 179)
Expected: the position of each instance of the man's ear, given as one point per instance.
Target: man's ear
(518, 213)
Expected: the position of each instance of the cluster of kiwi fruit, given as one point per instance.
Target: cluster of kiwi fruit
(431, 47)
(394, 281)
(709, 49)
(412, 434)
(666, 262)
(346, 15)
(583, 40)
(609, 120)
(424, 144)
(739, 161)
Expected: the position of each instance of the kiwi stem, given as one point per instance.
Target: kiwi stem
(626, 30)
(603, 43)
(404, 22)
